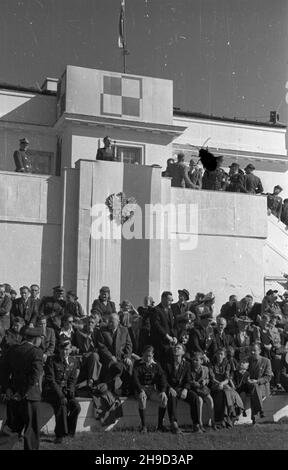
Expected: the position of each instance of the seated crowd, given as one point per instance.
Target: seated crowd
(173, 351)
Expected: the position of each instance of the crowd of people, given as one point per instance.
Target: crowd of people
(237, 180)
(52, 350)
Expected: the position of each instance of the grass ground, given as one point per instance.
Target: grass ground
(245, 437)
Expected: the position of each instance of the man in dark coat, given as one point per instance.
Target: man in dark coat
(163, 333)
(236, 179)
(252, 183)
(260, 374)
(201, 338)
(5, 307)
(59, 390)
(274, 202)
(115, 349)
(221, 338)
(180, 310)
(178, 376)
(48, 342)
(21, 373)
(103, 305)
(13, 335)
(86, 342)
(54, 305)
(179, 173)
(22, 158)
(107, 152)
(195, 175)
(215, 180)
(230, 311)
(25, 307)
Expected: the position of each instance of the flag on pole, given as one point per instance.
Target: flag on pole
(121, 39)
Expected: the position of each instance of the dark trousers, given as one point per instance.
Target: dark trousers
(24, 414)
(65, 415)
(117, 369)
(191, 399)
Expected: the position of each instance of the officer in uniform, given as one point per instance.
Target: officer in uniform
(22, 158)
(22, 368)
(54, 305)
(107, 152)
(59, 390)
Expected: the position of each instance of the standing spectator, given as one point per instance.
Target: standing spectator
(180, 178)
(135, 331)
(5, 307)
(169, 169)
(59, 390)
(215, 180)
(13, 295)
(35, 292)
(180, 309)
(22, 159)
(13, 335)
(25, 307)
(54, 305)
(21, 373)
(73, 307)
(103, 305)
(260, 375)
(145, 313)
(270, 304)
(253, 184)
(284, 213)
(274, 202)
(150, 384)
(236, 179)
(48, 340)
(230, 311)
(201, 339)
(115, 349)
(107, 152)
(163, 332)
(195, 175)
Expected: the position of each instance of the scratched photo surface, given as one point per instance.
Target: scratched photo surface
(226, 57)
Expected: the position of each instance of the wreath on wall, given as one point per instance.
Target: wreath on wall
(119, 206)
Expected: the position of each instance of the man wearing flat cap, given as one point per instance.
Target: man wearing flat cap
(21, 373)
(22, 159)
(270, 304)
(252, 183)
(274, 202)
(236, 179)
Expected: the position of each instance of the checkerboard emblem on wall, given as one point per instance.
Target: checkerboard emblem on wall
(122, 96)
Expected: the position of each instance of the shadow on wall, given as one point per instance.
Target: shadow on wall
(51, 238)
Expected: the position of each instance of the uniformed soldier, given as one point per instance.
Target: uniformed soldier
(54, 305)
(252, 183)
(59, 390)
(107, 152)
(22, 158)
(22, 368)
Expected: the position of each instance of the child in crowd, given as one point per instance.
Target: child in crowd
(240, 381)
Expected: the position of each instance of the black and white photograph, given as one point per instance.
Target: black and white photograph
(143, 229)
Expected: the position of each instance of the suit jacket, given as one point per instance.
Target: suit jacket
(253, 184)
(196, 177)
(60, 378)
(223, 341)
(260, 370)
(49, 305)
(5, 305)
(27, 310)
(161, 325)
(120, 347)
(84, 342)
(22, 369)
(48, 342)
(181, 378)
(10, 339)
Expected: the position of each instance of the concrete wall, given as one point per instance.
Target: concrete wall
(30, 218)
(27, 108)
(85, 88)
(227, 257)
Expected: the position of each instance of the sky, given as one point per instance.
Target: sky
(225, 57)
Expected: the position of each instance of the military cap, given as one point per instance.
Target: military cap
(185, 292)
(24, 141)
(234, 164)
(278, 187)
(59, 289)
(70, 292)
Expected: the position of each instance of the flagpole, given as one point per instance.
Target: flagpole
(125, 39)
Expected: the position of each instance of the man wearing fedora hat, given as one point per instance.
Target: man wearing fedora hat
(252, 183)
(21, 373)
(22, 158)
(236, 179)
(180, 308)
(274, 202)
